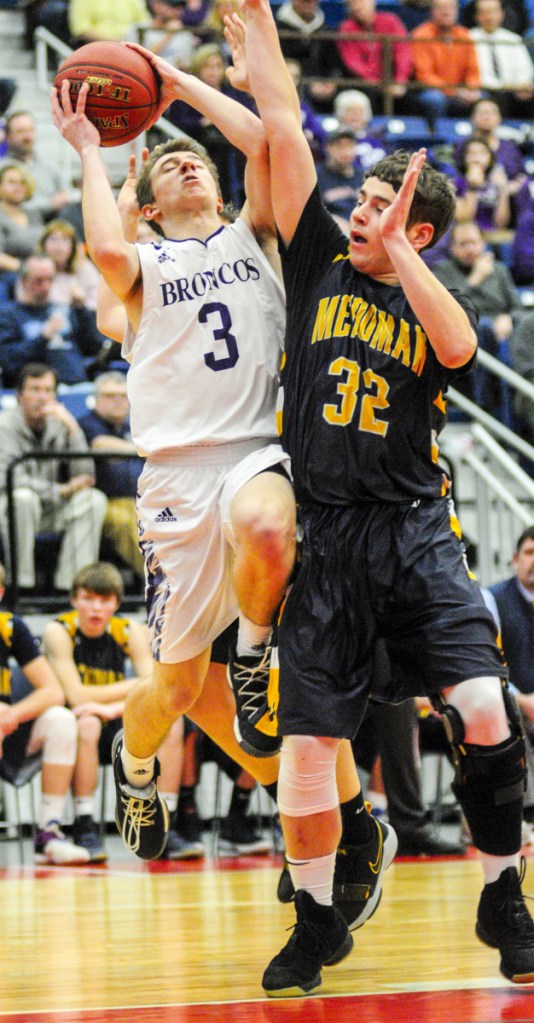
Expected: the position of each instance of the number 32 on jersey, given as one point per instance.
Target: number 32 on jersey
(373, 400)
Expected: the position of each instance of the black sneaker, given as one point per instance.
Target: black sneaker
(141, 814)
(240, 837)
(253, 724)
(320, 938)
(357, 878)
(504, 922)
(179, 848)
(85, 833)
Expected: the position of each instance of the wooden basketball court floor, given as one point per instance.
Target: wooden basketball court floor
(130, 942)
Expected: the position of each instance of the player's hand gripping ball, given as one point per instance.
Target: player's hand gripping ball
(123, 89)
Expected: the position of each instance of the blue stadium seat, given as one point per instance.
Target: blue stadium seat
(402, 131)
(451, 130)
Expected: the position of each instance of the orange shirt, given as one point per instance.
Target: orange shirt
(442, 62)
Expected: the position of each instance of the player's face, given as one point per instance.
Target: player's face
(94, 611)
(524, 565)
(366, 248)
(182, 179)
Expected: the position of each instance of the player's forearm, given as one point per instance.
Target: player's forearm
(236, 122)
(443, 320)
(272, 85)
(102, 222)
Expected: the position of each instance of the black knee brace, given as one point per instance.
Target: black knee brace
(490, 781)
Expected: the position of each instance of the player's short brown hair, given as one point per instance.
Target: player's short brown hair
(434, 201)
(102, 578)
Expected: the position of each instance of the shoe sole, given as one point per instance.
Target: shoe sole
(299, 990)
(253, 751)
(516, 978)
(388, 855)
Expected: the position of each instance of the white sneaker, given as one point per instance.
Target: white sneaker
(52, 846)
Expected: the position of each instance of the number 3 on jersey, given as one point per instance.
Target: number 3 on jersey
(220, 327)
(375, 398)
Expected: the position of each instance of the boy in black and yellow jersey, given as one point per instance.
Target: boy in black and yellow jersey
(88, 648)
(37, 723)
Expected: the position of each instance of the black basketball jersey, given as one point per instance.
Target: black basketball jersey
(363, 392)
(16, 641)
(100, 660)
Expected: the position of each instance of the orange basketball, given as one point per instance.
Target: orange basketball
(123, 89)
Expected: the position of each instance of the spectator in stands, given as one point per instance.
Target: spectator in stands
(482, 187)
(20, 227)
(486, 118)
(56, 494)
(364, 59)
(88, 648)
(50, 14)
(35, 723)
(504, 61)
(352, 109)
(311, 124)
(208, 65)
(300, 21)
(33, 328)
(76, 279)
(91, 20)
(516, 15)
(512, 605)
(473, 269)
(50, 197)
(522, 352)
(338, 177)
(107, 428)
(445, 62)
(522, 257)
(167, 34)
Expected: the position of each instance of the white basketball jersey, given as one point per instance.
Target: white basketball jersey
(204, 362)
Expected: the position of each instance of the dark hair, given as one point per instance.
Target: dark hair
(461, 161)
(33, 369)
(144, 192)
(102, 578)
(434, 201)
(527, 534)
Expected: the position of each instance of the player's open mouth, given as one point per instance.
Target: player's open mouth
(358, 239)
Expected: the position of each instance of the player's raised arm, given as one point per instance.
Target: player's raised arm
(116, 259)
(293, 174)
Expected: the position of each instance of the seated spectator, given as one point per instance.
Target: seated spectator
(486, 119)
(91, 20)
(20, 227)
(353, 110)
(364, 59)
(107, 428)
(311, 124)
(37, 723)
(50, 197)
(338, 178)
(445, 63)
(482, 189)
(516, 15)
(88, 648)
(504, 61)
(208, 65)
(522, 355)
(473, 269)
(56, 494)
(166, 33)
(33, 328)
(522, 258)
(76, 279)
(299, 21)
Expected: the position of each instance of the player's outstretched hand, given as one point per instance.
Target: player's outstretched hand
(127, 197)
(169, 78)
(234, 33)
(393, 219)
(73, 125)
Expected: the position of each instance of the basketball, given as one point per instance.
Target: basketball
(123, 89)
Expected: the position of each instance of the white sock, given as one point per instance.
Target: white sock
(251, 637)
(139, 771)
(493, 866)
(84, 806)
(171, 799)
(52, 808)
(315, 876)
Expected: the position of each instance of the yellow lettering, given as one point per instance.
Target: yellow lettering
(342, 327)
(419, 358)
(368, 323)
(358, 309)
(402, 346)
(383, 336)
(324, 320)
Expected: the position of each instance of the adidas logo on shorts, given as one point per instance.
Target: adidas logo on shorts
(166, 516)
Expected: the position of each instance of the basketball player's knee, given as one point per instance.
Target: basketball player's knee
(175, 695)
(267, 524)
(307, 779)
(60, 732)
(481, 705)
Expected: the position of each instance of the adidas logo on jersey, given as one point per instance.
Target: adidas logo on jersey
(166, 516)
